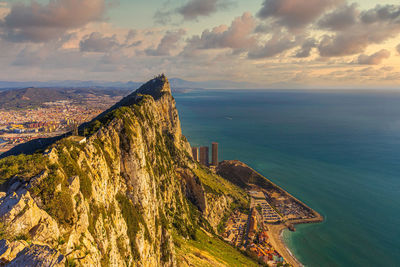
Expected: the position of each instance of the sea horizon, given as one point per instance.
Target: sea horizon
(337, 152)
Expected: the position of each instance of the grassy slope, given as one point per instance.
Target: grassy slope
(216, 184)
(209, 251)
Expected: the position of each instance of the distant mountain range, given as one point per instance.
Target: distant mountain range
(33, 97)
(176, 83)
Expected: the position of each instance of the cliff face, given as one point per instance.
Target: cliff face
(116, 199)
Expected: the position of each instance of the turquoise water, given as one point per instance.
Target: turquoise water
(339, 152)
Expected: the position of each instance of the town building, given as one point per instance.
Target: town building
(195, 153)
(215, 154)
(204, 156)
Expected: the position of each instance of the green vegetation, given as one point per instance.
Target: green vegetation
(242, 176)
(23, 166)
(85, 186)
(53, 189)
(61, 207)
(95, 212)
(184, 227)
(209, 248)
(57, 203)
(24, 237)
(133, 218)
(166, 253)
(70, 263)
(219, 186)
(71, 168)
(121, 247)
(120, 113)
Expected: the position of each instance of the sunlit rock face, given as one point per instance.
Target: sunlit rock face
(114, 200)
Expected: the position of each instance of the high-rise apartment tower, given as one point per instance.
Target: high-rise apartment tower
(215, 154)
(204, 155)
(195, 153)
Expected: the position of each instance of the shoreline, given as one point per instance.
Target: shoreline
(240, 173)
(276, 231)
(276, 239)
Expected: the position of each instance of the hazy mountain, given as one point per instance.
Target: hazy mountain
(33, 97)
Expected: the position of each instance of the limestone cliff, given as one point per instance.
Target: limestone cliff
(125, 196)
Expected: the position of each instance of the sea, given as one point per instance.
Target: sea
(337, 151)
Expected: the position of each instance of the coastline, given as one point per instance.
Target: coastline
(276, 239)
(241, 174)
(276, 231)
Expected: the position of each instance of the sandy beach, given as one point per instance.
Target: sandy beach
(275, 235)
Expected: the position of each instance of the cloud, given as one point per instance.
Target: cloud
(168, 43)
(295, 14)
(343, 44)
(373, 26)
(305, 50)
(4, 10)
(237, 36)
(197, 8)
(30, 57)
(381, 13)
(37, 22)
(130, 35)
(276, 45)
(191, 10)
(96, 42)
(340, 19)
(374, 59)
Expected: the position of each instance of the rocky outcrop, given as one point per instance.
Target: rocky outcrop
(20, 215)
(115, 200)
(194, 190)
(19, 253)
(217, 207)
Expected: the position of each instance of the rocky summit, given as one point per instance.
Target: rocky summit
(125, 191)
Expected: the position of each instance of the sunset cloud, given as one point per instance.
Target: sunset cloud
(373, 26)
(197, 8)
(4, 10)
(295, 13)
(306, 47)
(340, 19)
(37, 22)
(191, 10)
(273, 42)
(168, 43)
(237, 36)
(374, 59)
(96, 42)
(274, 46)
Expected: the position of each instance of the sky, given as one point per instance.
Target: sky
(272, 43)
